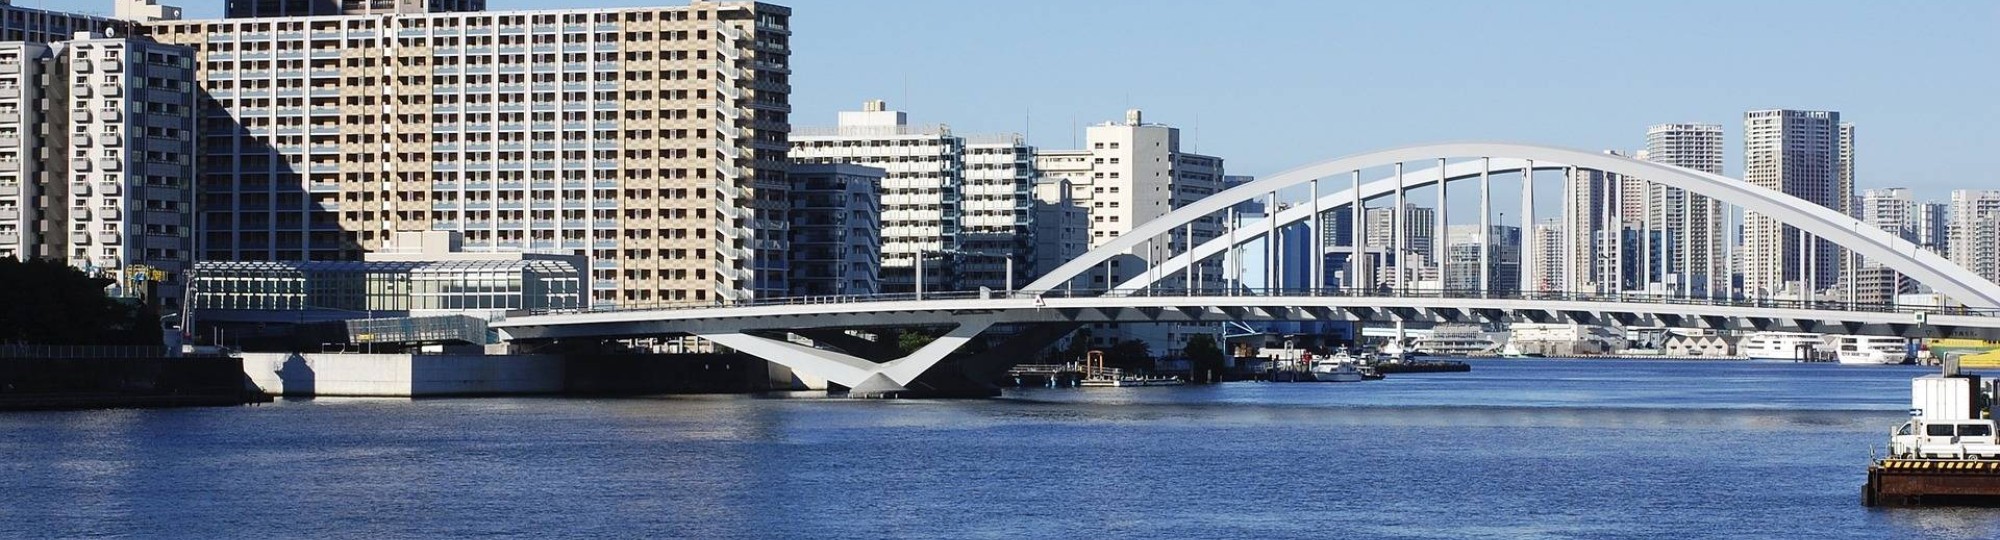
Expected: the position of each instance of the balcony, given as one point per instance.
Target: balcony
(109, 238)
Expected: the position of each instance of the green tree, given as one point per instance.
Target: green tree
(1130, 354)
(1206, 357)
(47, 302)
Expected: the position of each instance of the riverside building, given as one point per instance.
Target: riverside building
(96, 158)
(836, 230)
(651, 140)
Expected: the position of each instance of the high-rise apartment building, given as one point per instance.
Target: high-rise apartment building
(1502, 245)
(119, 140)
(650, 139)
(1798, 153)
(1419, 225)
(1131, 173)
(998, 202)
(1933, 221)
(836, 233)
(1592, 222)
(1974, 232)
(23, 139)
(236, 9)
(1550, 272)
(1891, 209)
(923, 195)
(1693, 223)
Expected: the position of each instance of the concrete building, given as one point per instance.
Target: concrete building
(19, 23)
(23, 139)
(1551, 268)
(1692, 222)
(1974, 234)
(651, 140)
(119, 145)
(998, 200)
(1933, 227)
(1062, 227)
(236, 9)
(1503, 258)
(922, 195)
(1130, 173)
(1419, 226)
(836, 230)
(1800, 154)
(1591, 222)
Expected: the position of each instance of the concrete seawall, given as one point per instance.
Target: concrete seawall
(438, 375)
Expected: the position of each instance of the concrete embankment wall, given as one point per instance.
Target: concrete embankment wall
(420, 375)
(402, 375)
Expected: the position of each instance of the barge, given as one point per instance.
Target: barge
(1947, 454)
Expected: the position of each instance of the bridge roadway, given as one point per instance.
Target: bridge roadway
(870, 368)
(905, 310)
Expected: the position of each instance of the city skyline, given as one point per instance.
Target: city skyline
(1891, 54)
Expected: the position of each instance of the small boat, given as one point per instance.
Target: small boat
(1336, 368)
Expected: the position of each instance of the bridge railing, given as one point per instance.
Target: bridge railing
(1299, 292)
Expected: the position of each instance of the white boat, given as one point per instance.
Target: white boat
(1790, 346)
(1458, 340)
(1871, 350)
(1130, 380)
(1336, 368)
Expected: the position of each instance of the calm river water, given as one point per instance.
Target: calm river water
(1514, 449)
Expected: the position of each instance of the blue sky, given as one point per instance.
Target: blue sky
(1271, 85)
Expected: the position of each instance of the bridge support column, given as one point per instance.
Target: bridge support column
(863, 377)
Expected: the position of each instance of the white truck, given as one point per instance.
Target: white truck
(1944, 439)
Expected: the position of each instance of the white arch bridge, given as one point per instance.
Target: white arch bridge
(1173, 266)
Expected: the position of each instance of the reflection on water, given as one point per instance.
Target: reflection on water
(1513, 449)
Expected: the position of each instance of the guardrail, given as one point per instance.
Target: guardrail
(1324, 292)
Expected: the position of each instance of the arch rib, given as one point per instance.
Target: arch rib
(1872, 242)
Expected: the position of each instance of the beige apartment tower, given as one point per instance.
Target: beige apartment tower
(651, 140)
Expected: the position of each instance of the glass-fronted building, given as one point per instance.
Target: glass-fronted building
(388, 288)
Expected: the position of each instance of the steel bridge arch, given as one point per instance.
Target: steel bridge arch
(1960, 284)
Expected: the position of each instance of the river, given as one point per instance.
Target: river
(1513, 449)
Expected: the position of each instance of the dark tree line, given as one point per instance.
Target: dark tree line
(46, 302)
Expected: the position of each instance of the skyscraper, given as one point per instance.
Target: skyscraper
(1975, 231)
(650, 139)
(1692, 223)
(1593, 207)
(1798, 153)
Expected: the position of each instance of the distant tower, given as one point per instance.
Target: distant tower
(1800, 154)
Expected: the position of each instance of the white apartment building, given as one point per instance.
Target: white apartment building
(120, 142)
(998, 201)
(1130, 173)
(1974, 232)
(1551, 270)
(1798, 153)
(236, 9)
(922, 194)
(651, 140)
(1062, 227)
(22, 141)
(1692, 223)
(1592, 224)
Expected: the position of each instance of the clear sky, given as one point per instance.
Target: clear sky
(1269, 85)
